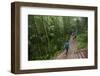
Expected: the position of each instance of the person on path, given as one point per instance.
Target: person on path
(66, 46)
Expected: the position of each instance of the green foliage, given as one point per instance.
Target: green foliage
(47, 34)
(82, 40)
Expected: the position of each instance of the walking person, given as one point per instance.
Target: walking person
(66, 46)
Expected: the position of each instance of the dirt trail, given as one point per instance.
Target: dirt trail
(81, 54)
(73, 52)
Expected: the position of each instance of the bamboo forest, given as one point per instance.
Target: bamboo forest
(48, 35)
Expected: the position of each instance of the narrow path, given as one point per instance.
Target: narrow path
(82, 53)
(61, 55)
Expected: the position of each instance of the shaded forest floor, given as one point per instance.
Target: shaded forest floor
(82, 53)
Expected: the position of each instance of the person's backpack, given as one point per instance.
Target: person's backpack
(66, 45)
